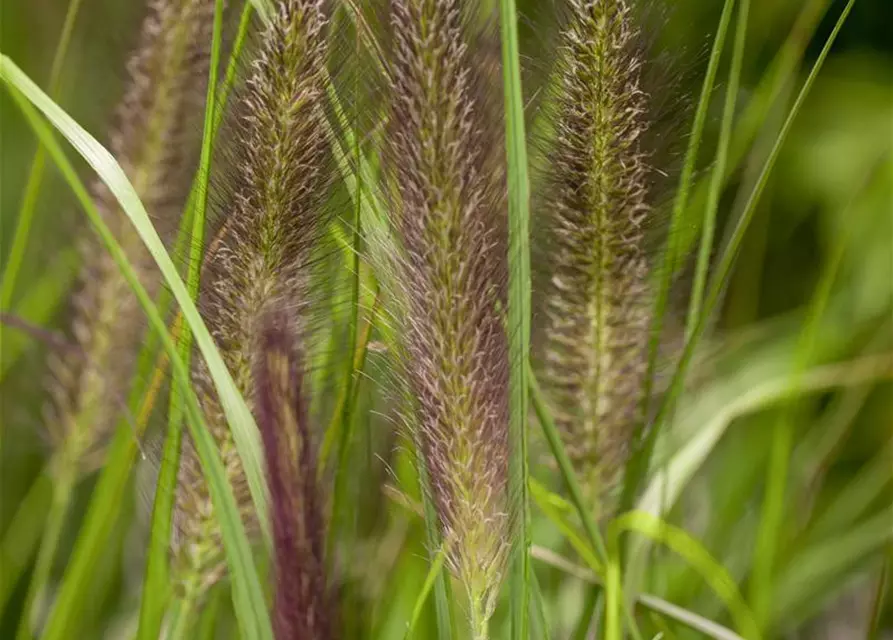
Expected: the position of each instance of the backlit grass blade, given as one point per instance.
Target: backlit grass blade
(23, 534)
(518, 315)
(637, 466)
(556, 446)
(717, 177)
(754, 115)
(434, 570)
(716, 577)
(250, 606)
(709, 628)
(238, 416)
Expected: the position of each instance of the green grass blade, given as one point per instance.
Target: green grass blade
(248, 597)
(442, 591)
(518, 315)
(264, 9)
(717, 176)
(776, 491)
(813, 571)
(690, 619)
(156, 584)
(35, 176)
(669, 483)
(434, 570)
(64, 480)
(754, 116)
(556, 446)
(238, 416)
(642, 458)
(714, 574)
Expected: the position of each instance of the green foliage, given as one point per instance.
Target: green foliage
(757, 493)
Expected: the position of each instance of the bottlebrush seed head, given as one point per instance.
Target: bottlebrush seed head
(302, 607)
(448, 206)
(597, 301)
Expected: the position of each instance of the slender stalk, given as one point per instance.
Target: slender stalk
(247, 594)
(156, 584)
(518, 315)
(776, 489)
(181, 617)
(640, 462)
(23, 534)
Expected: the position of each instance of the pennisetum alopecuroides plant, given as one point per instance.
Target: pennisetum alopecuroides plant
(447, 192)
(596, 301)
(260, 260)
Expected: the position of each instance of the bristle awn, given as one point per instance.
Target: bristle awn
(636, 469)
(156, 584)
(518, 315)
(248, 604)
(448, 205)
(302, 602)
(262, 260)
(597, 299)
(151, 141)
(35, 175)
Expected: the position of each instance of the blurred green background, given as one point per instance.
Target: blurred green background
(830, 198)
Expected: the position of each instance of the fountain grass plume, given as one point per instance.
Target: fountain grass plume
(263, 256)
(596, 301)
(302, 602)
(446, 187)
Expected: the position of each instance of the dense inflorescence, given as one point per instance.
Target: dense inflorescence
(302, 604)
(262, 258)
(448, 208)
(596, 300)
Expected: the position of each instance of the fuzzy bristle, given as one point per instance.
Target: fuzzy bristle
(449, 207)
(263, 256)
(596, 301)
(302, 602)
(155, 143)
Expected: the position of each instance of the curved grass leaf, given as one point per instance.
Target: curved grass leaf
(690, 619)
(156, 583)
(248, 595)
(238, 416)
(35, 176)
(716, 577)
(641, 460)
(638, 467)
